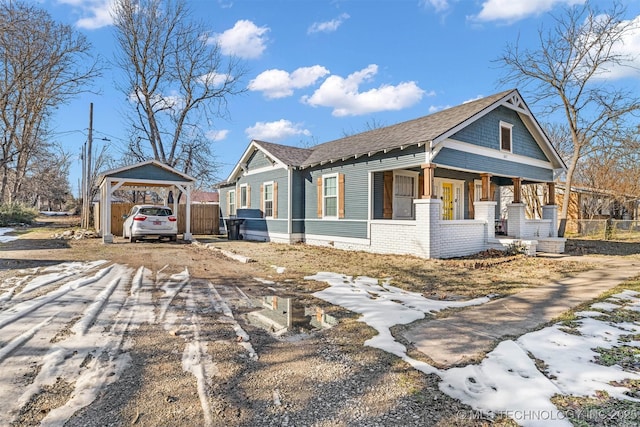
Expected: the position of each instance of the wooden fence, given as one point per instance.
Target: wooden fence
(205, 218)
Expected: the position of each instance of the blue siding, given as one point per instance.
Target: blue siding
(258, 160)
(150, 171)
(337, 228)
(356, 183)
(254, 182)
(264, 226)
(378, 195)
(486, 133)
(474, 162)
(298, 195)
(357, 178)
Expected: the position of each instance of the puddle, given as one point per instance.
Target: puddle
(280, 315)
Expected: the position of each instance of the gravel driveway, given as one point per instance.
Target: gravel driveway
(158, 334)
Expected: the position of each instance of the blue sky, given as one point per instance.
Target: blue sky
(320, 69)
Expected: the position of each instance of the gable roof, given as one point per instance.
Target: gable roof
(291, 156)
(418, 131)
(427, 130)
(147, 173)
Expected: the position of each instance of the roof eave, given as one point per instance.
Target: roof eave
(367, 153)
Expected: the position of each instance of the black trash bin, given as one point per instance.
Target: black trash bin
(233, 228)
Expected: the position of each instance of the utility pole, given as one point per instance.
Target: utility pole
(86, 205)
(83, 190)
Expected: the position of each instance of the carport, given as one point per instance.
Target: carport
(148, 175)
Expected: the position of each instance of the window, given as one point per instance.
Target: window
(404, 191)
(232, 202)
(268, 200)
(244, 196)
(330, 203)
(330, 195)
(477, 194)
(505, 136)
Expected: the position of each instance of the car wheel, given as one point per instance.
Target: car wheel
(173, 238)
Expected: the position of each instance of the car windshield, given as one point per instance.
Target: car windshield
(156, 211)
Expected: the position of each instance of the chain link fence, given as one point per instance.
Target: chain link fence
(607, 229)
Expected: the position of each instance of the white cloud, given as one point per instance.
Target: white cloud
(217, 135)
(95, 13)
(213, 79)
(438, 5)
(344, 97)
(225, 4)
(276, 131)
(279, 83)
(473, 99)
(435, 108)
(245, 40)
(630, 48)
(167, 103)
(514, 10)
(328, 26)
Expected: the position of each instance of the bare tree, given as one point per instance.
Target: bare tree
(42, 64)
(369, 125)
(46, 185)
(567, 74)
(176, 80)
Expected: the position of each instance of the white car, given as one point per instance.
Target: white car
(150, 221)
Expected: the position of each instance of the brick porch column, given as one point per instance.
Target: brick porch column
(486, 211)
(428, 226)
(551, 212)
(515, 219)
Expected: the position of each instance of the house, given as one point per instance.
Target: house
(424, 187)
(203, 197)
(589, 205)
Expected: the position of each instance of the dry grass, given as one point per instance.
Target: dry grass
(488, 273)
(491, 272)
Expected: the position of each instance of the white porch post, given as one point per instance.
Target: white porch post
(515, 219)
(551, 212)
(428, 226)
(486, 211)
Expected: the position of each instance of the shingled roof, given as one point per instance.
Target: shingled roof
(412, 132)
(291, 156)
(418, 131)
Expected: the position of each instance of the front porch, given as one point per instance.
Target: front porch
(433, 233)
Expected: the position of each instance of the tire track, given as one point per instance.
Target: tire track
(25, 308)
(89, 357)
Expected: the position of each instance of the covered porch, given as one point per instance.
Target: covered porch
(459, 213)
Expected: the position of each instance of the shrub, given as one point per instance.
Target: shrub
(16, 213)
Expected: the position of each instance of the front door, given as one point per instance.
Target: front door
(447, 200)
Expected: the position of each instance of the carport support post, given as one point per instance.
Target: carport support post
(105, 212)
(107, 188)
(187, 231)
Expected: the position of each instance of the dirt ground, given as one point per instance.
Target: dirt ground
(247, 375)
